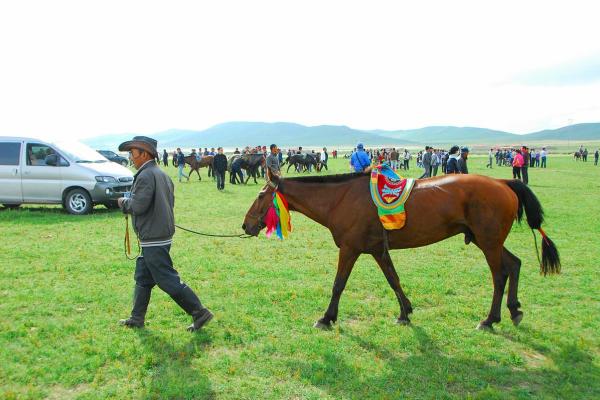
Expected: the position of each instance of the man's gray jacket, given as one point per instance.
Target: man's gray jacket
(427, 159)
(151, 205)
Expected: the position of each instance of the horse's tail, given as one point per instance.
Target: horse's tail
(550, 262)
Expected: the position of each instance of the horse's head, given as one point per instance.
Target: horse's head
(254, 221)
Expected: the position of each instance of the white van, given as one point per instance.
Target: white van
(67, 173)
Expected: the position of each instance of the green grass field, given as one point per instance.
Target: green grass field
(65, 284)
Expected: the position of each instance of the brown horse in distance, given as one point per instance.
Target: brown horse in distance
(195, 165)
(480, 207)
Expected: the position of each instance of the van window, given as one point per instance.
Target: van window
(37, 153)
(9, 153)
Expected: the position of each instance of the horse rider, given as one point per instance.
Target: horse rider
(151, 205)
(359, 160)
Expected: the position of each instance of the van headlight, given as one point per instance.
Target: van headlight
(106, 179)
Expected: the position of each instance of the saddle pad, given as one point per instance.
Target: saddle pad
(389, 192)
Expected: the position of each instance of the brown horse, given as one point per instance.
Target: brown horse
(195, 165)
(480, 207)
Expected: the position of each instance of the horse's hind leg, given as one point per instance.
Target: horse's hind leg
(346, 260)
(493, 256)
(512, 263)
(387, 266)
(198, 172)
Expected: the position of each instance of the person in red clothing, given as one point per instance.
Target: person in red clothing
(517, 165)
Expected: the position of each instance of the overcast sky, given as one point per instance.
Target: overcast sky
(73, 69)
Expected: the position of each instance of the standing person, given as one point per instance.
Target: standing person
(324, 158)
(219, 168)
(237, 151)
(181, 165)
(394, 159)
(174, 158)
(426, 161)
(517, 165)
(151, 206)
(435, 162)
(537, 158)
(462, 161)
(452, 164)
(272, 163)
(359, 160)
(525, 167)
(165, 157)
(490, 158)
(596, 157)
(406, 159)
(543, 156)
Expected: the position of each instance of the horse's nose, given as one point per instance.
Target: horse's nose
(244, 226)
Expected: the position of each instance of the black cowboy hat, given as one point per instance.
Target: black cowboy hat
(140, 142)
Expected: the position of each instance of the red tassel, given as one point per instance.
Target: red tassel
(271, 220)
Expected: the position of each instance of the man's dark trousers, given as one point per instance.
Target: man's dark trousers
(155, 267)
(524, 175)
(220, 179)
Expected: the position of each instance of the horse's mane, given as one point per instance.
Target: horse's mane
(326, 178)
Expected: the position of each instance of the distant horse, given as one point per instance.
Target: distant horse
(195, 165)
(437, 208)
(250, 162)
(321, 163)
(301, 162)
(577, 156)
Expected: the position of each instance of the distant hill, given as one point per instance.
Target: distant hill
(590, 131)
(240, 134)
(450, 135)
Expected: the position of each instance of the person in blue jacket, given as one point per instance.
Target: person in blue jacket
(360, 160)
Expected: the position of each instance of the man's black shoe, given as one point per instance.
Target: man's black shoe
(199, 321)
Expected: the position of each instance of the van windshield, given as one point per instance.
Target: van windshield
(80, 153)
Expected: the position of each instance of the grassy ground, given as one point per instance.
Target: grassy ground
(66, 282)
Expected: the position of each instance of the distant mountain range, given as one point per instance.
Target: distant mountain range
(240, 134)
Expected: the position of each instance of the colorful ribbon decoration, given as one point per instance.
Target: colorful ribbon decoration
(278, 217)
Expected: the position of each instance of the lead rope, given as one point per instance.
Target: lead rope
(128, 241)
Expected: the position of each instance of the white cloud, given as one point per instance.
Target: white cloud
(84, 68)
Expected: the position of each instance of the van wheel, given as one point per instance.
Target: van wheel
(11, 206)
(125, 163)
(78, 202)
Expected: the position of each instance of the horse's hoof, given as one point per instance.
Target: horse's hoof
(484, 327)
(517, 320)
(322, 325)
(403, 321)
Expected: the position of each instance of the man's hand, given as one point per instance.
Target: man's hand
(120, 201)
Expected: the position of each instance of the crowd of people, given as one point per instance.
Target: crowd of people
(219, 164)
(432, 160)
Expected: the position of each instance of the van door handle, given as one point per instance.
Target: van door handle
(16, 171)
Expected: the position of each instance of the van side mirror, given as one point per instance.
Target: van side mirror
(51, 160)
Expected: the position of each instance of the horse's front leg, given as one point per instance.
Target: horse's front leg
(346, 260)
(387, 267)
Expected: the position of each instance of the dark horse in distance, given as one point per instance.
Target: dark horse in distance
(481, 208)
(195, 165)
(301, 162)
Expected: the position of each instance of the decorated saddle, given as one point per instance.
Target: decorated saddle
(389, 192)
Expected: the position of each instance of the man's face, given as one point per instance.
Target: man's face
(139, 157)
(275, 150)
(220, 151)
